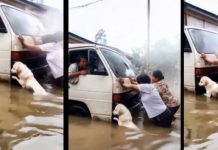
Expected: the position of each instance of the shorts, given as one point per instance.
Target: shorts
(164, 119)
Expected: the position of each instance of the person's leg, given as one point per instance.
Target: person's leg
(164, 119)
(173, 109)
(59, 82)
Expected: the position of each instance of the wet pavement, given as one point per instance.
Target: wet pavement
(28, 122)
(85, 133)
(201, 122)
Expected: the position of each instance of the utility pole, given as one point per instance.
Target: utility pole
(148, 34)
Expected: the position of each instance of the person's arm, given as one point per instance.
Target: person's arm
(130, 86)
(76, 74)
(213, 61)
(28, 45)
(37, 40)
(133, 80)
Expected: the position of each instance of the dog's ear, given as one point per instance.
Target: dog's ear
(205, 81)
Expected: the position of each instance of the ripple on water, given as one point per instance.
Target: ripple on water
(41, 143)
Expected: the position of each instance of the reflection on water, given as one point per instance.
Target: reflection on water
(85, 133)
(201, 122)
(27, 122)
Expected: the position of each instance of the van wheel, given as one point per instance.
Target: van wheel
(79, 110)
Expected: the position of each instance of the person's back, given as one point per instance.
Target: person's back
(166, 95)
(164, 91)
(151, 100)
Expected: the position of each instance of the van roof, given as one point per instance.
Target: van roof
(81, 45)
(192, 27)
(85, 45)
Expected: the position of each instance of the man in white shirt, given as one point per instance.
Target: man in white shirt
(151, 100)
(80, 67)
(54, 53)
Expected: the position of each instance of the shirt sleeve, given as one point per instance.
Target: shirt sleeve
(72, 68)
(47, 47)
(145, 88)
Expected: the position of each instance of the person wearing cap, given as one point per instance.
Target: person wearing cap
(156, 109)
(164, 91)
(52, 44)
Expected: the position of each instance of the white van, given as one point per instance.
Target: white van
(197, 41)
(14, 22)
(95, 94)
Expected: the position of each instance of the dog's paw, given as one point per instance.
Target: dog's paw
(14, 77)
(207, 95)
(116, 119)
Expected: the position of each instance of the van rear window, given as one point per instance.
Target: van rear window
(204, 41)
(119, 64)
(23, 23)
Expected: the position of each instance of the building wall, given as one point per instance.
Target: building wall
(197, 20)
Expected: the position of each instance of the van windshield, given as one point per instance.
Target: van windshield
(204, 41)
(119, 64)
(23, 23)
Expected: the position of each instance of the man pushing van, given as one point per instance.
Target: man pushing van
(52, 44)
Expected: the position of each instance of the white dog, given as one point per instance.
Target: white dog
(26, 78)
(210, 86)
(124, 117)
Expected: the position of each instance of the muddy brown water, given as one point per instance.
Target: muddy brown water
(201, 122)
(87, 134)
(28, 122)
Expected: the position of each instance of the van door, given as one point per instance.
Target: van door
(189, 75)
(5, 51)
(94, 89)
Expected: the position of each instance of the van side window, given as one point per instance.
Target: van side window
(95, 64)
(73, 55)
(2, 26)
(187, 47)
(96, 67)
(23, 23)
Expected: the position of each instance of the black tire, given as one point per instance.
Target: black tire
(79, 110)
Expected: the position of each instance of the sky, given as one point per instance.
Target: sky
(209, 5)
(55, 3)
(125, 21)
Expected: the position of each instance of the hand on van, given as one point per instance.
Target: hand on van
(212, 61)
(29, 45)
(132, 80)
(203, 56)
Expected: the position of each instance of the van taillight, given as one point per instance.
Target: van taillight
(205, 71)
(117, 97)
(20, 55)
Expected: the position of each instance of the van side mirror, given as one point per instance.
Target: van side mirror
(3, 30)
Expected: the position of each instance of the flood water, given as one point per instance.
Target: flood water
(201, 122)
(28, 122)
(85, 133)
